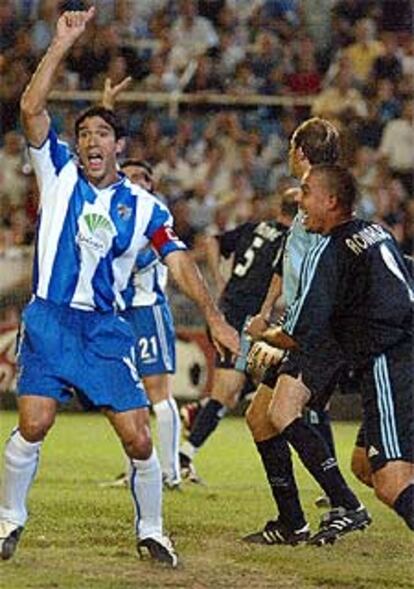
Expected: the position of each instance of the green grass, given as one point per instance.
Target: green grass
(80, 536)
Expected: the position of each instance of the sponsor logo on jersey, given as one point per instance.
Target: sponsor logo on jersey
(95, 232)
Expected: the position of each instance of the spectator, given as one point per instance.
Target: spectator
(13, 77)
(364, 50)
(174, 171)
(340, 96)
(388, 65)
(8, 25)
(44, 26)
(191, 34)
(387, 104)
(397, 146)
(244, 80)
(205, 78)
(13, 182)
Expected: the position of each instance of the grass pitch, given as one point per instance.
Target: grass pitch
(80, 536)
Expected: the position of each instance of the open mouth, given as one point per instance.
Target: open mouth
(95, 162)
(305, 217)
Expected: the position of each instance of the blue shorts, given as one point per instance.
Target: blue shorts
(62, 350)
(153, 327)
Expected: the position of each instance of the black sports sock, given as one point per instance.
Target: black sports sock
(320, 420)
(315, 455)
(404, 506)
(206, 422)
(277, 462)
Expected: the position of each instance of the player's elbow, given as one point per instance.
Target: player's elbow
(29, 105)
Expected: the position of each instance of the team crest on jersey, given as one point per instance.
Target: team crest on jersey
(124, 212)
(96, 232)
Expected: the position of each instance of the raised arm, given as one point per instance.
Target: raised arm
(186, 274)
(35, 118)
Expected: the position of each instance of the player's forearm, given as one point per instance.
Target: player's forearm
(275, 336)
(35, 119)
(188, 277)
(273, 293)
(34, 98)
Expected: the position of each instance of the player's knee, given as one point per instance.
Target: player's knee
(34, 428)
(360, 466)
(139, 445)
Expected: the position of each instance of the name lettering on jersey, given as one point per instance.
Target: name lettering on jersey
(365, 238)
(96, 232)
(267, 232)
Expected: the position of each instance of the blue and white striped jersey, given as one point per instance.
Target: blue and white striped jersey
(298, 243)
(148, 282)
(88, 238)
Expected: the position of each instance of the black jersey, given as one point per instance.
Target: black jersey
(257, 248)
(356, 287)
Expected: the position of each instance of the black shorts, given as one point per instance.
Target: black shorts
(388, 406)
(320, 373)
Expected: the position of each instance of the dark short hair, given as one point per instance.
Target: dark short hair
(319, 141)
(139, 164)
(104, 113)
(340, 182)
(288, 205)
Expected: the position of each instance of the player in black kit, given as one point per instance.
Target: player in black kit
(256, 249)
(355, 290)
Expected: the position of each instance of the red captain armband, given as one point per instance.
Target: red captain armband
(163, 236)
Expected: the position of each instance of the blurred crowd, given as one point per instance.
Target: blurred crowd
(221, 165)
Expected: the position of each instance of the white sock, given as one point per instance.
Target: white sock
(20, 464)
(146, 487)
(169, 433)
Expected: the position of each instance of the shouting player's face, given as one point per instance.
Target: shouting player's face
(315, 202)
(98, 149)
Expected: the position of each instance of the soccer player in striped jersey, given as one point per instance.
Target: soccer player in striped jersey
(356, 288)
(92, 223)
(149, 314)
